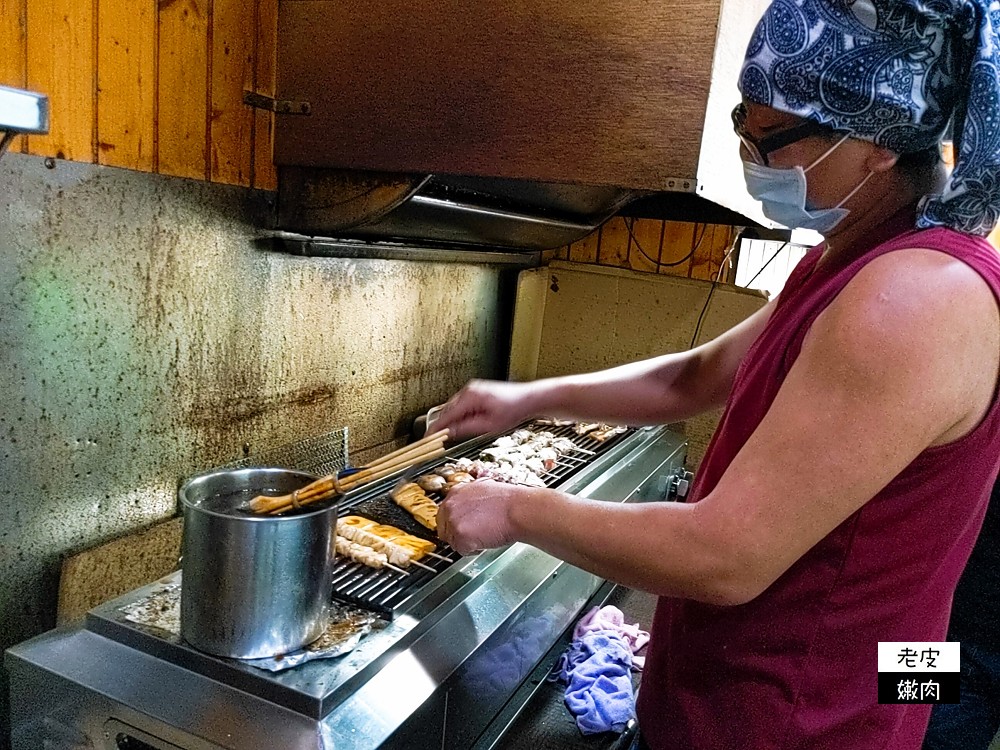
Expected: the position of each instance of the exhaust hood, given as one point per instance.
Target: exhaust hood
(443, 209)
(510, 125)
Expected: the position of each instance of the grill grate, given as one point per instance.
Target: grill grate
(320, 455)
(385, 591)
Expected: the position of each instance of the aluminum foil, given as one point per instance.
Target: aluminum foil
(347, 627)
(161, 611)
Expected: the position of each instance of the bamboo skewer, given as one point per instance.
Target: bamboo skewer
(426, 449)
(438, 437)
(382, 470)
(330, 486)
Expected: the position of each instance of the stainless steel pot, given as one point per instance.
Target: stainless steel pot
(253, 586)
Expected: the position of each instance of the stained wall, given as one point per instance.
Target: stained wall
(147, 331)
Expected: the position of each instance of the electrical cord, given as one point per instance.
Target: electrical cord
(711, 291)
(708, 299)
(718, 276)
(660, 264)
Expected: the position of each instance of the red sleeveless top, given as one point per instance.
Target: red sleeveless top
(796, 668)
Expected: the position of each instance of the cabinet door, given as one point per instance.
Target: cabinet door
(603, 92)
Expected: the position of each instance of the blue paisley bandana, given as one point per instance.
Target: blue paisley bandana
(893, 72)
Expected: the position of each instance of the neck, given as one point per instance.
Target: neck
(870, 209)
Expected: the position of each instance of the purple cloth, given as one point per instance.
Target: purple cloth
(597, 670)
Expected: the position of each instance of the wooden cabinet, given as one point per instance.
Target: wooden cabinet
(600, 92)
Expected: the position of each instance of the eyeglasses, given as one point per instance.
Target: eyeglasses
(760, 149)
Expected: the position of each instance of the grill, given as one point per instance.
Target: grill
(448, 669)
(386, 591)
(319, 455)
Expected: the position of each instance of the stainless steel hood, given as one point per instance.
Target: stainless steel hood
(443, 209)
(448, 210)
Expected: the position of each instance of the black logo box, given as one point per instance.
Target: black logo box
(918, 687)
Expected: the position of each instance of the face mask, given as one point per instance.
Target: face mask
(782, 193)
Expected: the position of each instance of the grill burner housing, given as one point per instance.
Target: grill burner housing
(442, 672)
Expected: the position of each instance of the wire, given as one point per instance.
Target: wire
(761, 270)
(701, 315)
(628, 226)
(722, 266)
(697, 246)
(657, 263)
(711, 291)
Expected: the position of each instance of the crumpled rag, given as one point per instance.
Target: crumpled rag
(597, 670)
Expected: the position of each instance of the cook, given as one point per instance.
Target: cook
(843, 490)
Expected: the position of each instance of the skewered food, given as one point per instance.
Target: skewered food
(446, 471)
(394, 553)
(553, 422)
(431, 482)
(599, 431)
(412, 498)
(360, 553)
(606, 431)
(515, 474)
(399, 547)
(519, 458)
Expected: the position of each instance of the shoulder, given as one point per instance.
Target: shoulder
(914, 296)
(911, 319)
(917, 284)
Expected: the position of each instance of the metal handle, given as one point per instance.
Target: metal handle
(121, 736)
(627, 737)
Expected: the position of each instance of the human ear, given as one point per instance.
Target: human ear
(880, 159)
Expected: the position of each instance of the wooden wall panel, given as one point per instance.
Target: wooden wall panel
(152, 85)
(13, 55)
(644, 244)
(265, 175)
(614, 243)
(61, 59)
(232, 122)
(585, 250)
(679, 240)
(182, 88)
(126, 84)
(674, 248)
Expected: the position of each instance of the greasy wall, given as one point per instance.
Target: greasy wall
(147, 332)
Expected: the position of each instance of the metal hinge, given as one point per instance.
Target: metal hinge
(279, 106)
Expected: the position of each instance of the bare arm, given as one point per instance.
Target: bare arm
(660, 390)
(852, 413)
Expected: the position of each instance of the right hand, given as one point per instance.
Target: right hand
(477, 515)
(484, 406)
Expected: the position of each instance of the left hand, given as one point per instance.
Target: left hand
(476, 516)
